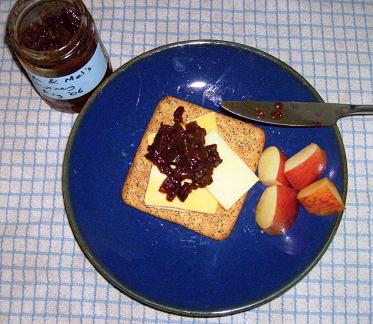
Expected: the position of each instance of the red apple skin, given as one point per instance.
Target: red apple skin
(321, 198)
(286, 210)
(272, 158)
(308, 171)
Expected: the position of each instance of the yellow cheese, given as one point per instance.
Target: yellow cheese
(151, 138)
(199, 200)
(207, 121)
(232, 178)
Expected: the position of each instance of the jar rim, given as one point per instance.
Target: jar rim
(24, 6)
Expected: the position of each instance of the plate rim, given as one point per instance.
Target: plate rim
(105, 272)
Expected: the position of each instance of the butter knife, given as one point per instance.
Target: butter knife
(298, 114)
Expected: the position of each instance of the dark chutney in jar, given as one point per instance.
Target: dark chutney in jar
(60, 50)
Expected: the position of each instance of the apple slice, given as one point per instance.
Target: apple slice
(271, 167)
(306, 166)
(277, 209)
(321, 198)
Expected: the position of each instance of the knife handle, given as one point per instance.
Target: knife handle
(360, 110)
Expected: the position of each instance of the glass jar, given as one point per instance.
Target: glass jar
(57, 44)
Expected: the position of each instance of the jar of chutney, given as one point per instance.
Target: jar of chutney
(58, 46)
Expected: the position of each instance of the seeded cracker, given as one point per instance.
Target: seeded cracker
(245, 139)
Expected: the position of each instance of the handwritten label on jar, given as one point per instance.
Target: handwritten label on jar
(76, 84)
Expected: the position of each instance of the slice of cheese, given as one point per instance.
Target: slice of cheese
(151, 138)
(207, 121)
(232, 178)
(199, 200)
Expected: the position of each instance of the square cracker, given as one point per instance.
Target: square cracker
(245, 139)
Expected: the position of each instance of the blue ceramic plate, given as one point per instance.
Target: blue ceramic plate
(159, 263)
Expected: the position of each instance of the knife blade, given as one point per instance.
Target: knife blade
(298, 114)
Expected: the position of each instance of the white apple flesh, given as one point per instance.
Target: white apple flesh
(271, 167)
(277, 209)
